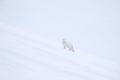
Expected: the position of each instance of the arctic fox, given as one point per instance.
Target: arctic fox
(68, 45)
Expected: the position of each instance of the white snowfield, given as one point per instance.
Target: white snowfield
(27, 56)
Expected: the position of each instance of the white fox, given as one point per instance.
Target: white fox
(68, 45)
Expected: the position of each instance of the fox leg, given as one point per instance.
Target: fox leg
(64, 47)
(71, 49)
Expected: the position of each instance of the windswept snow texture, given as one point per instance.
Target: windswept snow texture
(26, 56)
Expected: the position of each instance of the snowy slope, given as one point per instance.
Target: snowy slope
(28, 56)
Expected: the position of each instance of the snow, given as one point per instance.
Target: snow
(25, 55)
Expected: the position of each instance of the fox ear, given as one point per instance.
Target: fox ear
(63, 39)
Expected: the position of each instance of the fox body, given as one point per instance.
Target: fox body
(68, 45)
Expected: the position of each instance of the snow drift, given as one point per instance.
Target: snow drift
(28, 56)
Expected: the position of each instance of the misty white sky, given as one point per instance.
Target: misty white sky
(92, 25)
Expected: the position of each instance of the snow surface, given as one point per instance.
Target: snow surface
(27, 56)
